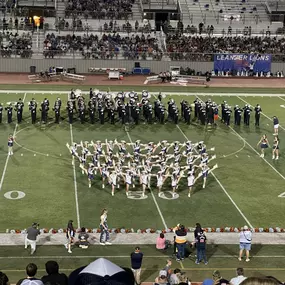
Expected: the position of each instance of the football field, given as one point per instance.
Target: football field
(40, 184)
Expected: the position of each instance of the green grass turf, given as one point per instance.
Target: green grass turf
(267, 259)
(48, 182)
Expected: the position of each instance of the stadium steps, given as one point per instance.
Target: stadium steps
(60, 11)
(38, 44)
(137, 11)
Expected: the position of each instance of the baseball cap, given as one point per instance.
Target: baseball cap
(32, 281)
(162, 273)
(101, 272)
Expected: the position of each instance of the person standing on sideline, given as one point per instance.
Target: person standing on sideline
(70, 234)
(257, 110)
(31, 237)
(240, 277)
(275, 125)
(245, 238)
(104, 235)
(136, 264)
(10, 144)
(200, 242)
(180, 240)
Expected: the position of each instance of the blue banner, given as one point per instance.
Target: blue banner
(242, 62)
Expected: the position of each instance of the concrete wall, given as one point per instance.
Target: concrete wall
(82, 66)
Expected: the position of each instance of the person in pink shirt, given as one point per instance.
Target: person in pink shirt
(160, 242)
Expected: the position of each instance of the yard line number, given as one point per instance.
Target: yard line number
(14, 195)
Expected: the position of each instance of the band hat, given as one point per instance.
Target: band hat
(245, 227)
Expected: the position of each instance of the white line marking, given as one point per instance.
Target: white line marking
(153, 197)
(282, 195)
(74, 177)
(8, 156)
(75, 182)
(122, 256)
(223, 188)
(236, 152)
(261, 113)
(281, 98)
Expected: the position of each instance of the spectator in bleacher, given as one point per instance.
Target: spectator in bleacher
(31, 271)
(4, 280)
(240, 277)
(162, 278)
(54, 277)
(217, 279)
(174, 277)
(260, 281)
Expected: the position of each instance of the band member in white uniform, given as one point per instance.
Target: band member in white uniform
(144, 181)
(104, 174)
(113, 181)
(190, 182)
(128, 180)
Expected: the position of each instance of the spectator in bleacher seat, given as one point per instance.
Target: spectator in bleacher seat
(260, 281)
(162, 278)
(174, 277)
(31, 271)
(115, 9)
(54, 277)
(217, 279)
(4, 280)
(240, 277)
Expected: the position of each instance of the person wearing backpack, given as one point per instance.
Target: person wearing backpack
(200, 242)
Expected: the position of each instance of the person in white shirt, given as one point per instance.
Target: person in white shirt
(240, 277)
(245, 238)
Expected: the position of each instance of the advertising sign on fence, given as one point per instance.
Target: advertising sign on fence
(242, 62)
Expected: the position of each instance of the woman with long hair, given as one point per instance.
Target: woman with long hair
(275, 150)
(104, 236)
(263, 144)
(70, 233)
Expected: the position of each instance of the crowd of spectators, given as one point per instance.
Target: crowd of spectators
(107, 46)
(182, 47)
(13, 44)
(108, 27)
(95, 9)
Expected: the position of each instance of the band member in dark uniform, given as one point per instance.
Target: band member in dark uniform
(19, 109)
(9, 110)
(70, 108)
(258, 111)
(56, 110)
(1, 111)
(91, 110)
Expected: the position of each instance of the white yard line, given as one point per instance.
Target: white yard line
(8, 156)
(262, 113)
(153, 197)
(123, 256)
(223, 188)
(74, 178)
(281, 98)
